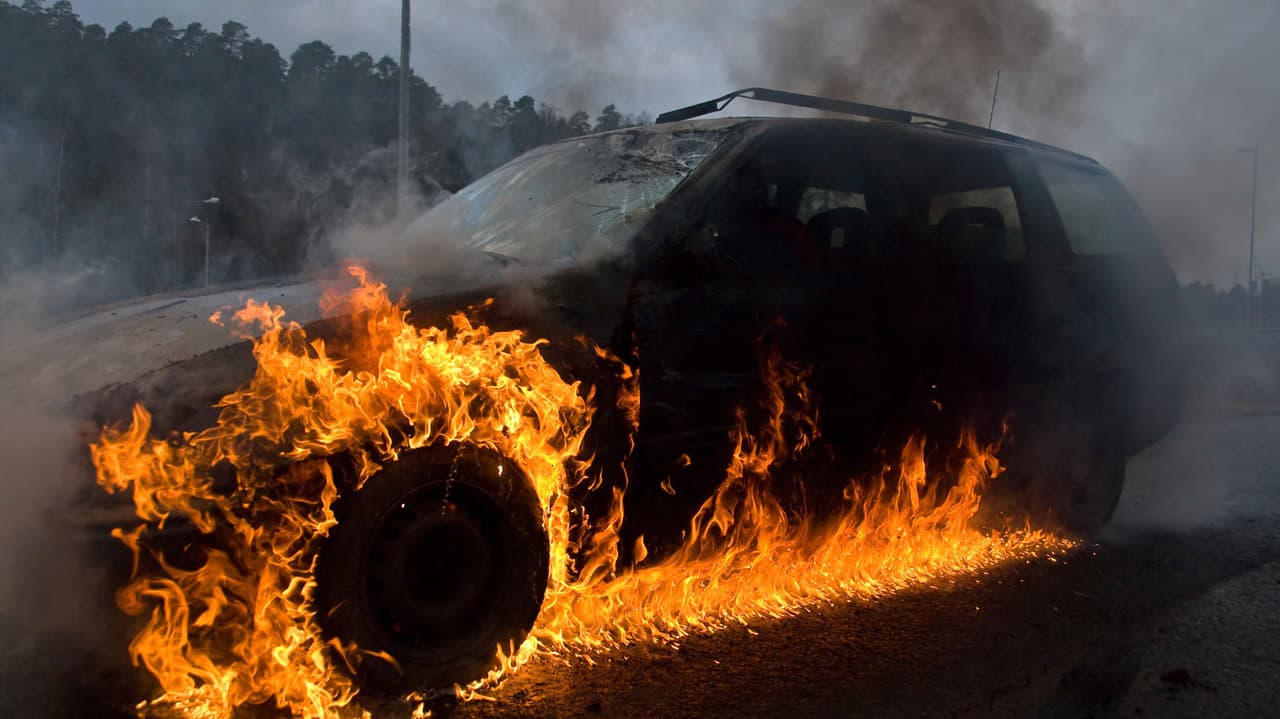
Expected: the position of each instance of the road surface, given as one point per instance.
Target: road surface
(1175, 612)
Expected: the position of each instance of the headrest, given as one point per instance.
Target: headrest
(834, 228)
(839, 217)
(969, 216)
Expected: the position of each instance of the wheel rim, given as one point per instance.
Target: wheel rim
(434, 570)
(435, 561)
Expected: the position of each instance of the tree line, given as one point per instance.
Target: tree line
(1209, 308)
(111, 140)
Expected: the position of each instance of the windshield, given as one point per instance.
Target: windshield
(579, 198)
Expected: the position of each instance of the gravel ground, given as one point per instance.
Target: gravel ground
(1175, 612)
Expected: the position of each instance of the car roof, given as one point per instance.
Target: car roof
(923, 130)
(848, 108)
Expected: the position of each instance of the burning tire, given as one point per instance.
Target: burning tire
(440, 558)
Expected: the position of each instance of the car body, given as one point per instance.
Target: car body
(925, 275)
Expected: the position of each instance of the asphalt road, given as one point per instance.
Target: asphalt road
(1175, 612)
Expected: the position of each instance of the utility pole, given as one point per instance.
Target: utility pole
(57, 185)
(1253, 225)
(402, 145)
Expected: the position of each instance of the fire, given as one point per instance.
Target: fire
(746, 557)
(230, 621)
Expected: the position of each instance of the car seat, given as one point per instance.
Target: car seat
(841, 234)
(977, 234)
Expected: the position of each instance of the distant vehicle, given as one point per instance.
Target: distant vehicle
(915, 263)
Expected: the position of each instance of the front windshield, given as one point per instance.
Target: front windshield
(580, 198)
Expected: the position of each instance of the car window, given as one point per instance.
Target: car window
(1097, 215)
(952, 203)
(578, 199)
(848, 200)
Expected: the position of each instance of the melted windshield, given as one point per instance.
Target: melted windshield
(580, 198)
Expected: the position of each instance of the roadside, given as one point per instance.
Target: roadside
(1234, 372)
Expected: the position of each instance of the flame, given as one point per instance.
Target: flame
(746, 556)
(230, 621)
(239, 628)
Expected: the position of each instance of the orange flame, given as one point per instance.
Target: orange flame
(232, 623)
(238, 628)
(745, 557)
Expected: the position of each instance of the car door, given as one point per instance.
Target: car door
(699, 333)
(929, 323)
(703, 307)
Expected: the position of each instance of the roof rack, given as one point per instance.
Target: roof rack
(847, 107)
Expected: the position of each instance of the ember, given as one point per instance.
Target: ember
(232, 621)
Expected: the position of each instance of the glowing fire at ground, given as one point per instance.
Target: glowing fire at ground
(232, 624)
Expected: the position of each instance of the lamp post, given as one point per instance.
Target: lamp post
(198, 221)
(1253, 225)
(207, 228)
(402, 134)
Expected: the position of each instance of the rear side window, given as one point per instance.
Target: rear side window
(868, 196)
(1097, 214)
(964, 199)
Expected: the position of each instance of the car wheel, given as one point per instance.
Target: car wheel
(1064, 476)
(1088, 491)
(439, 559)
(1073, 480)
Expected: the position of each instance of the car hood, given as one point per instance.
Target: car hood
(123, 341)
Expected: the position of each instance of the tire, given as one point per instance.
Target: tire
(1086, 495)
(439, 559)
(1069, 478)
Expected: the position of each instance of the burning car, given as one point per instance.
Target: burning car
(739, 316)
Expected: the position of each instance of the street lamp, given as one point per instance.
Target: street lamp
(210, 201)
(1253, 225)
(198, 221)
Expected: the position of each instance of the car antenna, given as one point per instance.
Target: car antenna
(995, 95)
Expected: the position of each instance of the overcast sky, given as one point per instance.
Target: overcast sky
(1162, 91)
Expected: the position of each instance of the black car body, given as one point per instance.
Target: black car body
(927, 274)
(998, 280)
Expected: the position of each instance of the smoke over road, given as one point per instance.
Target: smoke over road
(1161, 92)
(929, 57)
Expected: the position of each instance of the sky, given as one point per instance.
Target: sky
(1163, 92)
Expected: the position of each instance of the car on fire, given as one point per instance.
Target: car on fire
(926, 271)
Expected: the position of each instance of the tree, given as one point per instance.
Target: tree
(609, 119)
(310, 63)
(526, 127)
(579, 123)
(115, 132)
(233, 38)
